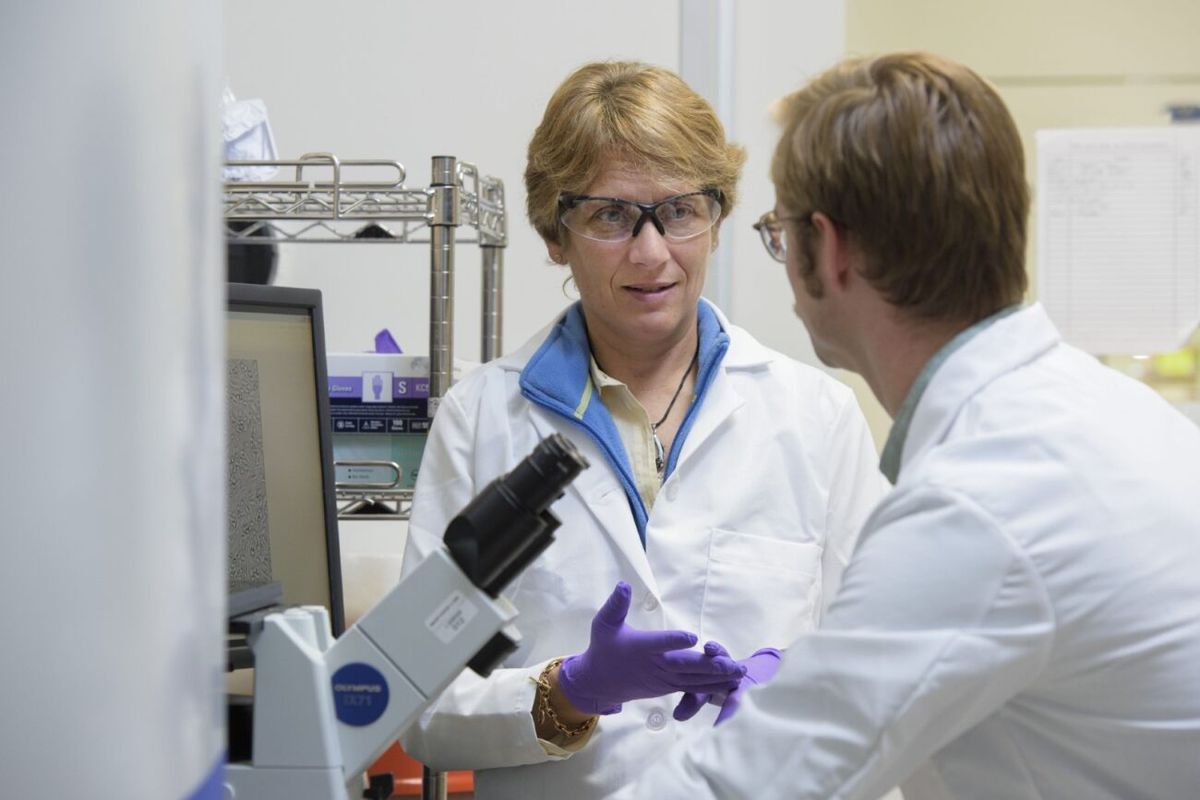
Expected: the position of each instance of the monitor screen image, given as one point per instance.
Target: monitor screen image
(282, 520)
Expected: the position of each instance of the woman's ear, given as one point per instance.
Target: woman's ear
(555, 251)
(716, 235)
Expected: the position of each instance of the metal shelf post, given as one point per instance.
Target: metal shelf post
(443, 208)
(492, 301)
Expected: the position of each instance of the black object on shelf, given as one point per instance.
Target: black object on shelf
(250, 263)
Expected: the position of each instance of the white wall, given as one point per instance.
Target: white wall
(779, 45)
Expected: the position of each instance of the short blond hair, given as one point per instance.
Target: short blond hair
(918, 158)
(643, 115)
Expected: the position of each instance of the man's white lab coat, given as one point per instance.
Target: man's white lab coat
(758, 517)
(1023, 609)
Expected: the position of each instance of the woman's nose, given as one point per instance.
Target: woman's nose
(649, 247)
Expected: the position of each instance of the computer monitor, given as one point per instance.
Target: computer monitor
(282, 509)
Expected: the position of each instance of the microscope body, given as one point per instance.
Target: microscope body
(324, 709)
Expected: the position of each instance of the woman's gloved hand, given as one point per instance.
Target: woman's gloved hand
(760, 668)
(623, 663)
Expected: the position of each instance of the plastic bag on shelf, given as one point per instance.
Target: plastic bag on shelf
(246, 132)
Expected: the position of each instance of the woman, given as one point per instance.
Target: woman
(727, 481)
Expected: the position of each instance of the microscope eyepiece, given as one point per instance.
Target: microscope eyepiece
(540, 479)
(509, 523)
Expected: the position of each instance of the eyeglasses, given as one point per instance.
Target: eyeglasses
(770, 228)
(611, 219)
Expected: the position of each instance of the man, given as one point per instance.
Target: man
(1022, 614)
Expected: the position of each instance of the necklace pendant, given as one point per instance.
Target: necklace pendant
(659, 455)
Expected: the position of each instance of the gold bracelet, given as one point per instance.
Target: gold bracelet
(545, 709)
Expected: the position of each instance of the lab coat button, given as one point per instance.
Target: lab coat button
(650, 603)
(673, 490)
(656, 721)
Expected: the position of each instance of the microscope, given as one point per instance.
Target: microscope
(324, 709)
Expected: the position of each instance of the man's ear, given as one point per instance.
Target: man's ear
(834, 263)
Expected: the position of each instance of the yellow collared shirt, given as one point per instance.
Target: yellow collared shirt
(633, 426)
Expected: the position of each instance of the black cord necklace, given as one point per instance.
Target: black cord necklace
(659, 452)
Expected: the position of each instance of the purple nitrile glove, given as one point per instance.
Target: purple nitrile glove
(760, 668)
(623, 663)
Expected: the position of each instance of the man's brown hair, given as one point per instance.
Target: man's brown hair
(919, 160)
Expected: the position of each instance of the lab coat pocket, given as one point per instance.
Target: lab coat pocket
(759, 591)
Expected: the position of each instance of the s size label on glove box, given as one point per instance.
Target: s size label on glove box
(449, 618)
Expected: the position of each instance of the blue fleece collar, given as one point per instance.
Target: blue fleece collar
(558, 378)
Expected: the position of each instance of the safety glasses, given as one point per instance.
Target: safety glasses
(612, 219)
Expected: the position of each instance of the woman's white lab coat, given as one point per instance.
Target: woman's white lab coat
(749, 533)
